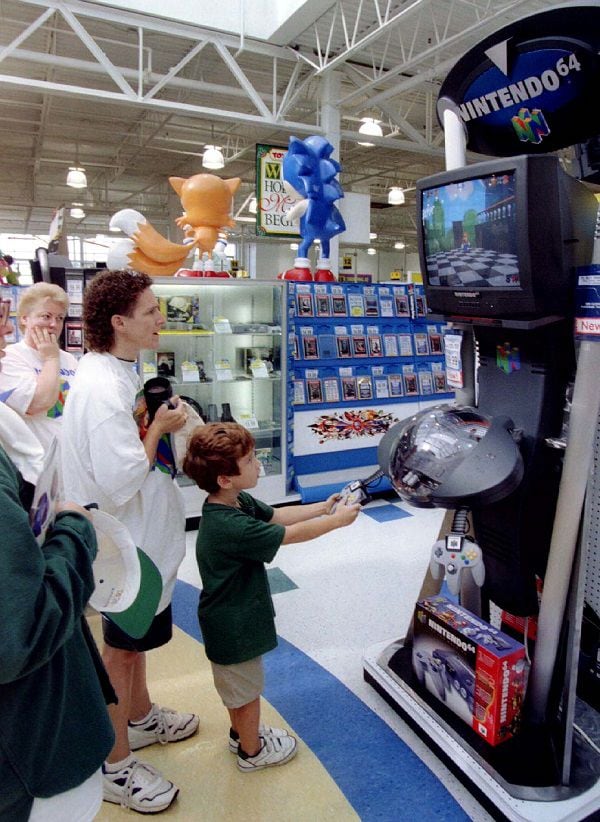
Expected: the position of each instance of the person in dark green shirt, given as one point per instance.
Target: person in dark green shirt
(238, 534)
(54, 727)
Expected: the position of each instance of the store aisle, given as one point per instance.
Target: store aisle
(335, 597)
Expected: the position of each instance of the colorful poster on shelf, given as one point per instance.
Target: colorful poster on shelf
(272, 201)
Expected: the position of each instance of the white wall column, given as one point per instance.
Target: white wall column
(330, 121)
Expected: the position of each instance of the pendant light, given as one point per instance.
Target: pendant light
(76, 177)
(396, 196)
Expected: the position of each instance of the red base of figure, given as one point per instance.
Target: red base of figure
(300, 271)
(188, 272)
(324, 275)
(217, 274)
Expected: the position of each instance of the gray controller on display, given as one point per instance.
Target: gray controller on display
(455, 554)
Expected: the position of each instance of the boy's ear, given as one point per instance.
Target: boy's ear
(224, 482)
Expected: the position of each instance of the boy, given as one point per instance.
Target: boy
(106, 461)
(237, 535)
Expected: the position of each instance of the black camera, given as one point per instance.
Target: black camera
(157, 390)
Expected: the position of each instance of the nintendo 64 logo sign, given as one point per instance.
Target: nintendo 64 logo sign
(531, 87)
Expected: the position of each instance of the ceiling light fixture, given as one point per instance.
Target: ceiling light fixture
(294, 246)
(76, 177)
(399, 245)
(76, 211)
(373, 235)
(213, 158)
(396, 196)
(76, 174)
(371, 251)
(371, 128)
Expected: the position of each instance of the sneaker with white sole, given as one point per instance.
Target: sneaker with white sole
(161, 725)
(263, 730)
(274, 751)
(138, 786)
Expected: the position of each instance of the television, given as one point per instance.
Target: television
(501, 238)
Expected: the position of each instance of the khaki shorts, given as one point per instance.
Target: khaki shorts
(239, 684)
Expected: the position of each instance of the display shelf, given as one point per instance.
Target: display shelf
(362, 357)
(223, 350)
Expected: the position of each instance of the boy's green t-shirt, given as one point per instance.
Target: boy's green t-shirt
(236, 611)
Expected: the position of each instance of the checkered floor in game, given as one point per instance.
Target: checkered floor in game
(475, 268)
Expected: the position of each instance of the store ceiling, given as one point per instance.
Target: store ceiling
(134, 100)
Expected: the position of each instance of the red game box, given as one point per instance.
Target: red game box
(479, 672)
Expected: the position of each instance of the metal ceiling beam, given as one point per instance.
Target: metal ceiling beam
(163, 25)
(168, 105)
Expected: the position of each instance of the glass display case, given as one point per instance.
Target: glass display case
(223, 349)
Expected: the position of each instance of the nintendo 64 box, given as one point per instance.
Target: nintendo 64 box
(477, 671)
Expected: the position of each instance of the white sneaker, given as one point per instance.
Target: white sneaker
(161, 725)
(138, 786)
(274, 751)
(263, 730)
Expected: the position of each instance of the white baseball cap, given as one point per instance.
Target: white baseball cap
(128, 583)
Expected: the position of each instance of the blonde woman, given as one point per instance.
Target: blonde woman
(36, 374)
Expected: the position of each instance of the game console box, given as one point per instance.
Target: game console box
(477, 671)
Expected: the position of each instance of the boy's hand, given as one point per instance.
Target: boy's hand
(169, 420)
(345, 513)
(330, 502)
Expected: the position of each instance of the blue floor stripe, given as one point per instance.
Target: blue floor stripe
(375, 770)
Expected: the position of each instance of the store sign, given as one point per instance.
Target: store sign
(272, 201)
(532, 87)
(587, 303)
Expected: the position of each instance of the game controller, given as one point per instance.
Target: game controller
(485, 638)
(354, 492)
(455, 554)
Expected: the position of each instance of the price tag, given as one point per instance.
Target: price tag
(248, 421)
(222, 325)
(189, 372)
(223, 370)
(258, 369)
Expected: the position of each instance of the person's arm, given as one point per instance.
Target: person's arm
(291, 514)
(46, 390)
(317, 526)
(43, 590)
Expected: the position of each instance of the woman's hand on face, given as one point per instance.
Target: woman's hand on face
(45, 343)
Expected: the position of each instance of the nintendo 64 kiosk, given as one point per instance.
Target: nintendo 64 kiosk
(500, 242)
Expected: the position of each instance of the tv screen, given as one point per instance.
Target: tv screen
(502, 238)
(469, 232)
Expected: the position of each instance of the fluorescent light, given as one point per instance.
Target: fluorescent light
(371, 251)
(400, 245)
(396, 196)
(373, 235)
(213, 158)
(371, 128)
(294, 246)
(252, 205)
(76, 177)
(76, 211)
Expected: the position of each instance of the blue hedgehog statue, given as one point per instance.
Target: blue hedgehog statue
(308, 169)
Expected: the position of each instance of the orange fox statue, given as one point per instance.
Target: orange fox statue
(207, 209)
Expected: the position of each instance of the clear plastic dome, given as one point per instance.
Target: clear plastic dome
(429, 446)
